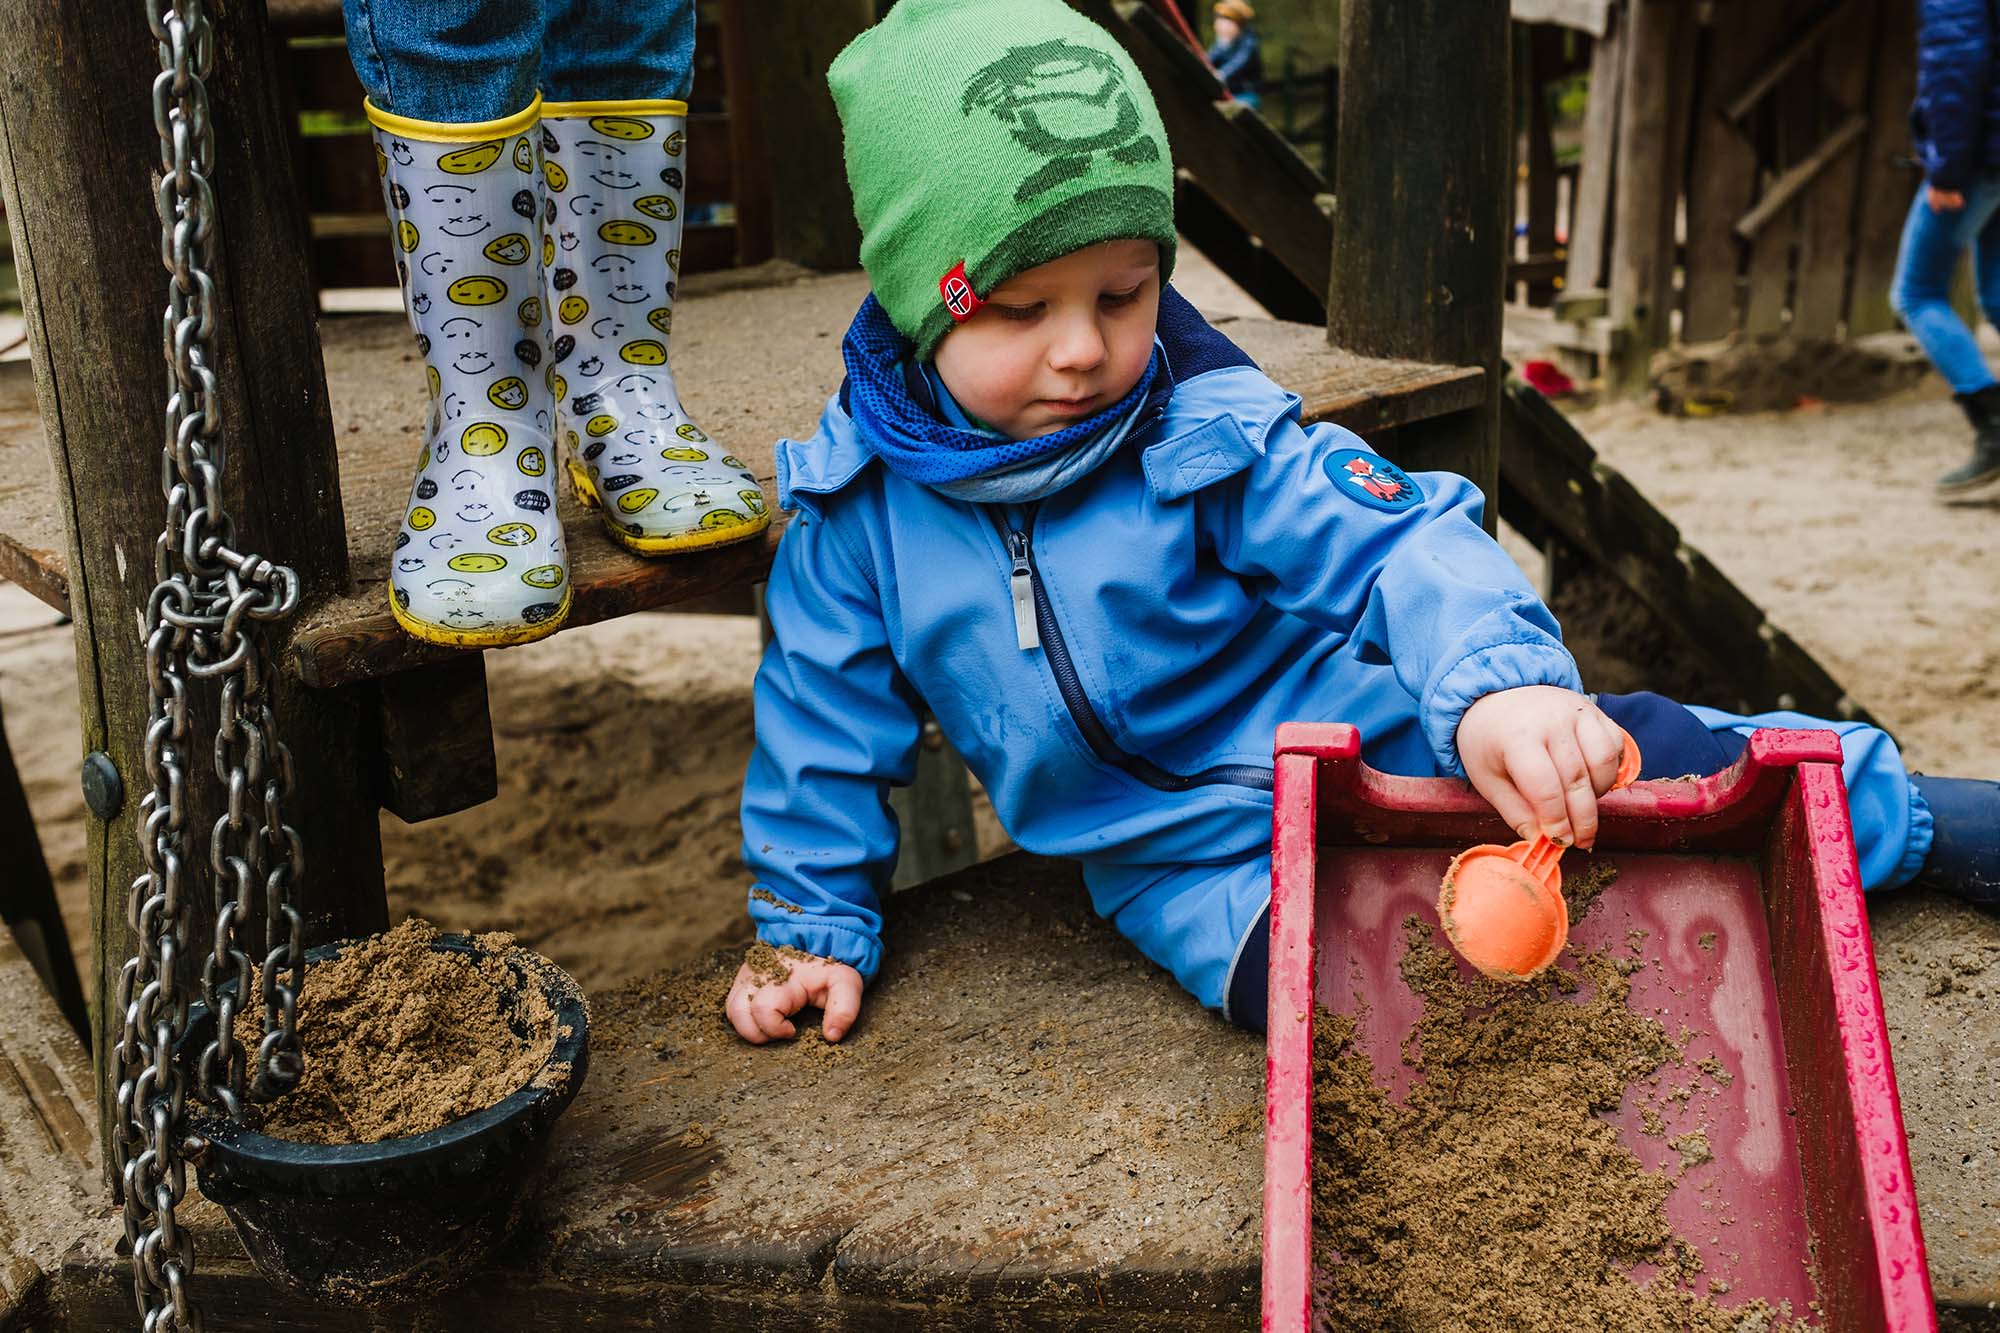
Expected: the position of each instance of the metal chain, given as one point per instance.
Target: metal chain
(201, 622)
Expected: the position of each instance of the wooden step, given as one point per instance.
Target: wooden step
(1032, 1127)
(755, 363)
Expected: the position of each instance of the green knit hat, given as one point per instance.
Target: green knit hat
(985, 137)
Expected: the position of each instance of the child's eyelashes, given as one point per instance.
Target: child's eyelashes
(1019, 311)
(1109, 300)
(1115, 299)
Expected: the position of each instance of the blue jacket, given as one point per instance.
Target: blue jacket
(1227, 570)
(1956, 116)
(1239, 64)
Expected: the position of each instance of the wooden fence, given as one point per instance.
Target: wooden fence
(1744, 170)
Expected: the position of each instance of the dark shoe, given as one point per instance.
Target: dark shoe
(1982, 409)
(1964, 858)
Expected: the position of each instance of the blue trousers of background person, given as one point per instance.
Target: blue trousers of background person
(1921, 291)
(477, 60)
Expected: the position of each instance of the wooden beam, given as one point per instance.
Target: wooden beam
(436, 740)
(1652, 125)
(1826, 227)
(1801, 174)
(76, 113)
(1590, 211)
(746, 136)
(1887, 181)
(1422, 233)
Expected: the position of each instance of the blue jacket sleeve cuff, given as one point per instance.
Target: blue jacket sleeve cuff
(1504, 666)
(827, 939)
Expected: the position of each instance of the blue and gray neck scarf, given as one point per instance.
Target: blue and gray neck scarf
(936, 444)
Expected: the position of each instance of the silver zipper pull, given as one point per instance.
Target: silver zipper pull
(1022, 582)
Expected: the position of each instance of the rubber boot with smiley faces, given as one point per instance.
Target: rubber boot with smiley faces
(479, 560)
(616, 178)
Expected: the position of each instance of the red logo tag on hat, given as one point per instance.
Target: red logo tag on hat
(959, 297)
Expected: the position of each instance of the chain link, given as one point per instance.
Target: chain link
(201, 623)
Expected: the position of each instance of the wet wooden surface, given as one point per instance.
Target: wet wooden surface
(755, 363)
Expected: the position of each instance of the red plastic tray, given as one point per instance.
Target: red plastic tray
(1810, 1158)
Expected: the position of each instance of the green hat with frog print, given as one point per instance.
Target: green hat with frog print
(985, 137)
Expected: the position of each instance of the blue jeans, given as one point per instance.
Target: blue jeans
(1921, 292)
(472, 60)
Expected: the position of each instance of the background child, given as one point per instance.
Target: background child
(1053, 504)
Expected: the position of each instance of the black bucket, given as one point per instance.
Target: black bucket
(403, 1219)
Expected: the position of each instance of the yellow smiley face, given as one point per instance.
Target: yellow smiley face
(533, 462)
(483, 439)
(731, 460)
(602, 424)
(511, 534)
(674, 260)
(675, 142)
(421, 519)
(572, 309)
(431, 377)
(752, 501)
(722, 518)
(659, 206)
(687, 430)
(468, 161)
(624, 231)
(557, 178)
(510, 393)
(509, 249)
(477, 562)
(524, 156)
(381, 161)
(661, 318)
(633, 501)
(407, 235)
(478, 289)
(570, 441)
(644, 352)
(622, 127)
(530, 312)
(543, 576)
(557, 384)
(681, 453)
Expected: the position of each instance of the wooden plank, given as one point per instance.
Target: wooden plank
(1591, 16)
(1590, 215)
(1544, 57)
(1826, 228)
(1551, 469)
(76, 112)
(1086, 1156)
(1651, 135)
(1245, 260)
(746, 138)
(1782, 128)
(48, 1145)
(1887, 182)
(436, 740)
(753, 363)
(1424, 115)
(1723, 173)
(1793, 182)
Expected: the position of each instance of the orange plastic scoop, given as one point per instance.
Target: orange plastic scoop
(1503, 908)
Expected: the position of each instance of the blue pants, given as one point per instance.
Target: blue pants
(1921, 291)
(471, 60)
(1892, 823)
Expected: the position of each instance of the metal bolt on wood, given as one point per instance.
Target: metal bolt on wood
(202, 624)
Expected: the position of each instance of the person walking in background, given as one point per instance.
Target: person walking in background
(1238, 61)
(1956, 119)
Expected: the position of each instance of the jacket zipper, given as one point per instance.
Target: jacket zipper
(1035, 626)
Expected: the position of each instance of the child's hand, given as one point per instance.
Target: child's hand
(1542, 756)
(760, 1006)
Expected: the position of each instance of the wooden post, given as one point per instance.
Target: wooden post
(81, 156)
(1420, 235)
(1887, 182)
(1651, 142)
(1591, 212)
(1543, 57)
(811, 211)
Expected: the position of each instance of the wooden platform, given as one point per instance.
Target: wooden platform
(1032, 1128)
(757, 363)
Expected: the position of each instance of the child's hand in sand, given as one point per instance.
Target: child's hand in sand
(771, 986)
(1542, 756)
